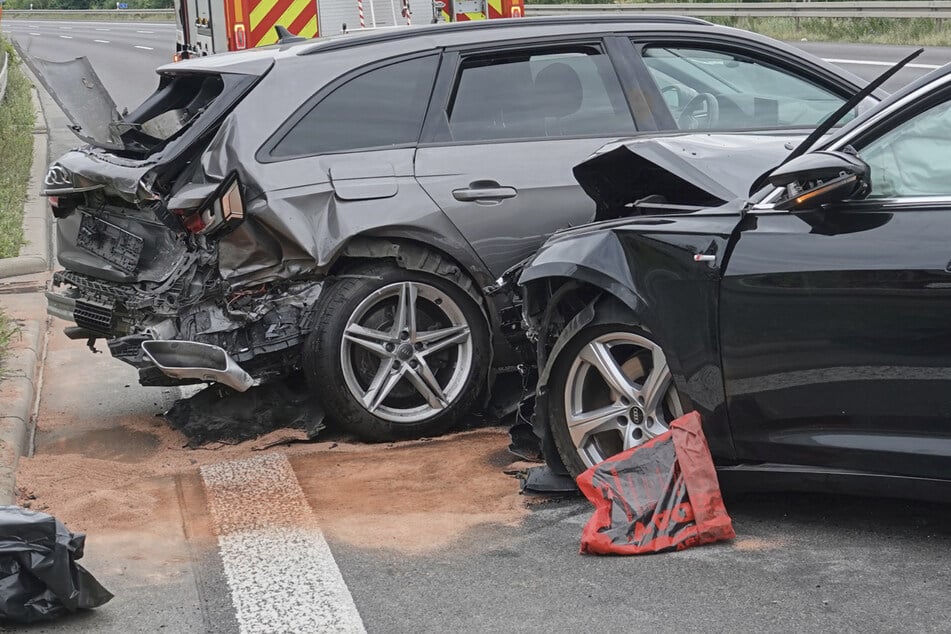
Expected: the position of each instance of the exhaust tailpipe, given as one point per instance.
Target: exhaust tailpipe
(191, 360)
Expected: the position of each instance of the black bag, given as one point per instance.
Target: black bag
(39, 577)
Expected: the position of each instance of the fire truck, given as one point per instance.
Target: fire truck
(214, 26)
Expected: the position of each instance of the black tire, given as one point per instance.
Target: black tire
(324, 351)
(558, 384)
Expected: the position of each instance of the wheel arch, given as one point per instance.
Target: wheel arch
(414, 254)
(603, 308)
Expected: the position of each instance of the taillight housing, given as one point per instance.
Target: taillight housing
(217, 215)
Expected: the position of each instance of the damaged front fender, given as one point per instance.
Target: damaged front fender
(597, 258)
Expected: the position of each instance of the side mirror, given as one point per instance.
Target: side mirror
(820, 178)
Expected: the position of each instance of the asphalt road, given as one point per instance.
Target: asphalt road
(124, 55)
(800, 562)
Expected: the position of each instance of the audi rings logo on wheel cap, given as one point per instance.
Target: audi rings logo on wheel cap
(58, 177)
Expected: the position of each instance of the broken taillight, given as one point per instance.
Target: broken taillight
(219, 215)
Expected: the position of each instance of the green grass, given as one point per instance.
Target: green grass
(16, 154)
(914, 32)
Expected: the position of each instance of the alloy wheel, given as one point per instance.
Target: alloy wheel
(406, 352)
(619, 394)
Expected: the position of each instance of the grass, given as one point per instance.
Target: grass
(16, 154)
(912, 31)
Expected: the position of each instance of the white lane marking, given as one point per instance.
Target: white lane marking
(145, 31)
(102, 29)
(279, 568)
(102, 41)
(145, 48)
(66, 28)
(66, 37)
(866, 62)
(32, 33)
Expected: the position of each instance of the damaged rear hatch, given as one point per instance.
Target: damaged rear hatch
(124, 249)
(109, 195)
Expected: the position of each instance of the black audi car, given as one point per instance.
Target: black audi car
(808, 322)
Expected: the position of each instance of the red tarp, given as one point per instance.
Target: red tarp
(662, 495)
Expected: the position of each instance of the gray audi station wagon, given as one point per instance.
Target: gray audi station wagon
(338, 207)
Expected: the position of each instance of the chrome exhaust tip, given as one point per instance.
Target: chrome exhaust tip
(192, 360)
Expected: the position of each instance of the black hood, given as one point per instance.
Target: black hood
(700, 170)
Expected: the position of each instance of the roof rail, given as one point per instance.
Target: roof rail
(510, 23)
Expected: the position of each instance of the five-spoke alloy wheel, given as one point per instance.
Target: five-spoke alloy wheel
(397, 354)
(611, 390)
(421, 345)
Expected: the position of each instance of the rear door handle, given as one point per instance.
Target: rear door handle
(484, 191)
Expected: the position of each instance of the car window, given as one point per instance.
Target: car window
(706, 89)
(381, 108)
(912, 159)
(539, 94)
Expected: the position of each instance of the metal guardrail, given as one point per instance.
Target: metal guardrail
(937, 9)
(3, 75)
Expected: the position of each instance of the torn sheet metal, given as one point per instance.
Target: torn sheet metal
(39, 577)
(688, 169)
(663, 495)
(219, 414)
(525, 443)
(77, 89)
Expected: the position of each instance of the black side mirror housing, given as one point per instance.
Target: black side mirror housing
(820, 178)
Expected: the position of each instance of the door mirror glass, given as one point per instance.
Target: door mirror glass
(820, 178)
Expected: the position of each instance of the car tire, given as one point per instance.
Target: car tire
(595, 412)
(384, 374)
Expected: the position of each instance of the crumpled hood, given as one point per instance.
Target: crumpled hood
(704, 170)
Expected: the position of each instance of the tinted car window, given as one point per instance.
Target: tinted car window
(912, 158)
(748, 93)
(381, 108)
(537, 95)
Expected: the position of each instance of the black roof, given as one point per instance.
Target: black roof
(408, 32)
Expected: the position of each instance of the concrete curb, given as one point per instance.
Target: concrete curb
(18, 390)
(35, 254)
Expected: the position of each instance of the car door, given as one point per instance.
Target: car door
(836, 324)
(505, 128)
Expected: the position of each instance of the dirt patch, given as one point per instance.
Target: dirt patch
(121, 445)
(413, 496)
(757, 544)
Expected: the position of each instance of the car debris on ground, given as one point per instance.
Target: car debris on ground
(39, 577)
